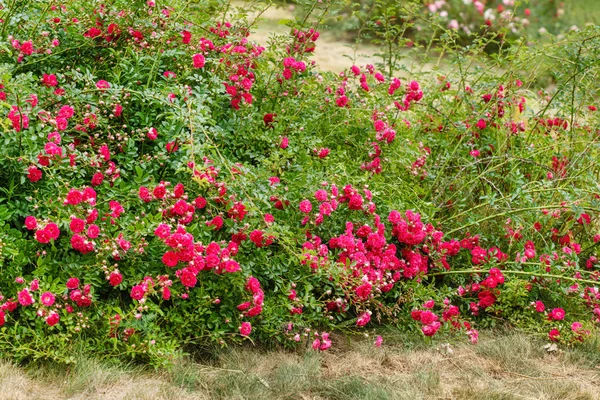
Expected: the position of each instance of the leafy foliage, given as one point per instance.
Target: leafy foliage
(168, 181)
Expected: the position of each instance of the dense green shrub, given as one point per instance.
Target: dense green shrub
(167, 181)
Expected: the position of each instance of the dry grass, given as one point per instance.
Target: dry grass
(502, 367)
(332, 52)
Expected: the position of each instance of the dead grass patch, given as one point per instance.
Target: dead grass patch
(509, 366)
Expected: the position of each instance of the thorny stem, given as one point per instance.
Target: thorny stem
(526, 273)
(555, 206)
(7, 19)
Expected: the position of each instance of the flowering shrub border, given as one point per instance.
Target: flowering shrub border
(171, 182)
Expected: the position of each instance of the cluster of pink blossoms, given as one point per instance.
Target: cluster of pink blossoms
(253, 307)
(82, 239)
(485, 291)
(329, 202)
(44, 232)
(291, 66)
(413, 95)
(304, 41)
(196, 256)
(149, 285)
(379, 78)
(240, 65)
(27, 47)
(322, 343)
(50, 305)
(52, 149)
(430, 321)
(373, 265)
(556, 315)
(383, 133)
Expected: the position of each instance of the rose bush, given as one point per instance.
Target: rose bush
(167, 181)
(467, 20)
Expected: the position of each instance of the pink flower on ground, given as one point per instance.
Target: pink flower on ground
(431, 329)
(316, 344)
(363, 319)
(326, 342)
(473, 335)
(378, 341)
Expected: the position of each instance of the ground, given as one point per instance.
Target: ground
(333, 52)
(507, 366)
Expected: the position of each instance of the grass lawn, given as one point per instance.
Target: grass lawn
(507, 366)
